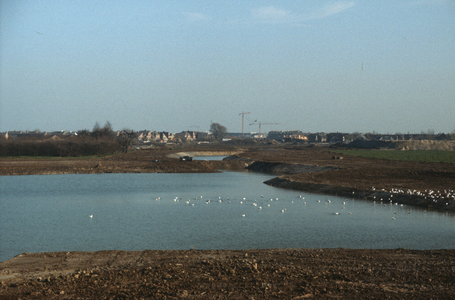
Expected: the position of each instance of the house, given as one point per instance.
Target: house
(202, 136)
(360, 137)
(35, 135)
(296, 137)
(317, 137)
(281, 135)
(186, 136)
(166, 137)
(144, 136)
(387, 138)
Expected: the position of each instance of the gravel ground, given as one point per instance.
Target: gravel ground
(221, 274)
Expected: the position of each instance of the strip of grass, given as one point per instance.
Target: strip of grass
(408, 155)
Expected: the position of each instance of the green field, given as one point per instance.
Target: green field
(408, 155)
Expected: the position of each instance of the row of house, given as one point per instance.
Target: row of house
(37, 134)
(297, 135)
(337, 137)
(146, 136)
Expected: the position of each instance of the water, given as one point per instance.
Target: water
(216, 157)
(43, 213)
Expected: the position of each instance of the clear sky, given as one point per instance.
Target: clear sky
(386, 66)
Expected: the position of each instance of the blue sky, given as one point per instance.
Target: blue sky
(384, 66)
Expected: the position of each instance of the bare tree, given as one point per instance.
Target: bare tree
(126, 138)
(218, 131)
(105, 131)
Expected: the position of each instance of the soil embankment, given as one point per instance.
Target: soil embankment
(318, 170)
(231, 274)
(141, 161)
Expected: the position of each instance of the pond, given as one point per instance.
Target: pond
(228, 210)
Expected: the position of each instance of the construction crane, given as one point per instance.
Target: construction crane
(243, 121)
(260, 124)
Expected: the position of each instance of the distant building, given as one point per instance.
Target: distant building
(144, 136)
(317, 137)
(166, 136)
(186, 136)
(281, 135)
(335, 138)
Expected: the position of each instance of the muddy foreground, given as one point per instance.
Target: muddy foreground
(215, 274)
(245, 274)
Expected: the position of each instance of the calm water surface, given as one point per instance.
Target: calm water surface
(229, 210)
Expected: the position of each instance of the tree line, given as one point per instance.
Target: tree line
(99, 141)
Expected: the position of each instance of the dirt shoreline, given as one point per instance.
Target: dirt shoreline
(378, 196)
(248, 274)
(231, 274)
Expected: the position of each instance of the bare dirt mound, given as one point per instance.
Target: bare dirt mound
(403, 145)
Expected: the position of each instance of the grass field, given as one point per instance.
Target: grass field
(409, 155)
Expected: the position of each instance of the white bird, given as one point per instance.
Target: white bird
(243, 215)
(337, 213)
(91, 216)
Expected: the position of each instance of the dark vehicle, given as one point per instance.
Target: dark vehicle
(186, 158)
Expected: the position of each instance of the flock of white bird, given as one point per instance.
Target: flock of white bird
(256, 203)
(444, 197)
(448, 195)
(259, 204)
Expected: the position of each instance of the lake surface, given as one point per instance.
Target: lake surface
(229, 210)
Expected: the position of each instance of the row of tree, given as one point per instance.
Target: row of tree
(61, 148)
(100, 141)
